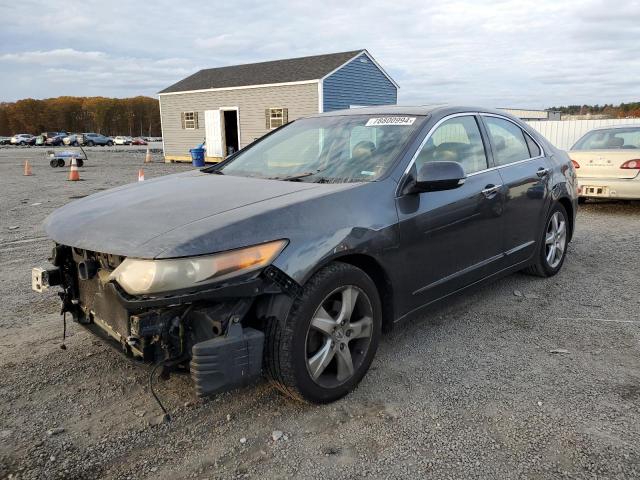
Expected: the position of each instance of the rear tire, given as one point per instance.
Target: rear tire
(325, 345)
(109, 144)
(60, 162)
(552, 249)
(90, 143)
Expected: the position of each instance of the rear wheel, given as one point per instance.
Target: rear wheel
(90, 143)
(324, 347)
(53, 163)
(61, 162)
(553, 248)
(109, 143)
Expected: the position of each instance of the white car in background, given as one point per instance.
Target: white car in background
(122, 140)
(607, 162)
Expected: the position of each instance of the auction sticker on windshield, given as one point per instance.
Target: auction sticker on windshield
(380, 121)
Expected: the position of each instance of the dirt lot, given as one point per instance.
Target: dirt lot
(471, 390)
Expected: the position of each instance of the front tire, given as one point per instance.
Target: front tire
(109, 144)
(325, 345)
(90, 143)
(553, 245)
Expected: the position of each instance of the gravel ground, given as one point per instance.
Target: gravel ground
(525, 378)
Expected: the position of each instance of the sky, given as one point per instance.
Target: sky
(519, 54)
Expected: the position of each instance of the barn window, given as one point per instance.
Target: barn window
(276, 117)
(189, 120)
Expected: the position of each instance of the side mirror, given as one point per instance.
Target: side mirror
(437, 176)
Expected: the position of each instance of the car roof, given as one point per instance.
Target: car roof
(444, 109)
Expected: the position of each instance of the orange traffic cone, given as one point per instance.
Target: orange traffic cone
(74, 174)
(148, 158)
(27, 169)
(141, 175)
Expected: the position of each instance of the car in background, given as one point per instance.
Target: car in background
(23, 139)
(91, 139)
(56, 139)
(51, 139)
(607, 163)
(5, 140)
(72, 139)
(121, 140)
(138, 141)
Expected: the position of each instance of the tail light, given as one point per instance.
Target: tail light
(575, 164)
(631, 164)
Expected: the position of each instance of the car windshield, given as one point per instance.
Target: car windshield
(338, 149)
(610, 139)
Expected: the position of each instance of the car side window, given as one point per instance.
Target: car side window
(508, 141)
(456, 140)
(534, 149)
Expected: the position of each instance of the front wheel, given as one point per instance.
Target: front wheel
(325, 346)
(553, 247)
(109, 144)
(90, 143)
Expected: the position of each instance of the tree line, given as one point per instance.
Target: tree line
(137, 116)
(624, 110)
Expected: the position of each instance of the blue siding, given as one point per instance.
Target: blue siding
(358, 83)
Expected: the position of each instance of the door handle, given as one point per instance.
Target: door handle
(542, 172)
(490, 190)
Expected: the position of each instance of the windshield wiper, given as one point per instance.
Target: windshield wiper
(297, 176)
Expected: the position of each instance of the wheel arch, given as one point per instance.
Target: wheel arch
(568, 206)
(378, 274)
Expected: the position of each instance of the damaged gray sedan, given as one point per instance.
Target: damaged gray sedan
(293, 255)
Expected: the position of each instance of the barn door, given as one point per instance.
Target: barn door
(213, 132)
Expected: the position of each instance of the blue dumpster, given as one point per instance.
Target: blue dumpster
(197, 156)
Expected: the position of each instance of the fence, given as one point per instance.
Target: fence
(564, 133)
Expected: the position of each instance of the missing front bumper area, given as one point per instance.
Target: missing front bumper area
(214, 333)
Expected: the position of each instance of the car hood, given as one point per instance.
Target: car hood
(170, 216)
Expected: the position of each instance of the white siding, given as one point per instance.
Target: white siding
(563, 134)
(521, 113)
(300, 100)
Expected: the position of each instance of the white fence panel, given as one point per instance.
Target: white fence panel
(564, 133)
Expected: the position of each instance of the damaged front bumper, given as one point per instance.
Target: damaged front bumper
(216, 332)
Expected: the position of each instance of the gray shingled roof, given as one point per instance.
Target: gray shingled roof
(277, 71)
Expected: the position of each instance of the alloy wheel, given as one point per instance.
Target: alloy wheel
(339, 336)
(555, 239)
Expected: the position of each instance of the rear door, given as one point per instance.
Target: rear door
(525, 174)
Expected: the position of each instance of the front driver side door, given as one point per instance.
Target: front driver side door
(452, 238)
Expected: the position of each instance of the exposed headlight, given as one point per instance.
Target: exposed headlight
(138, 277)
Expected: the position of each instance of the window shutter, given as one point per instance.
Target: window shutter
(267, 115)
(182, 120)
(195, 119)
(285, 116)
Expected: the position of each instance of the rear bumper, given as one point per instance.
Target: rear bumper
(628, 189)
